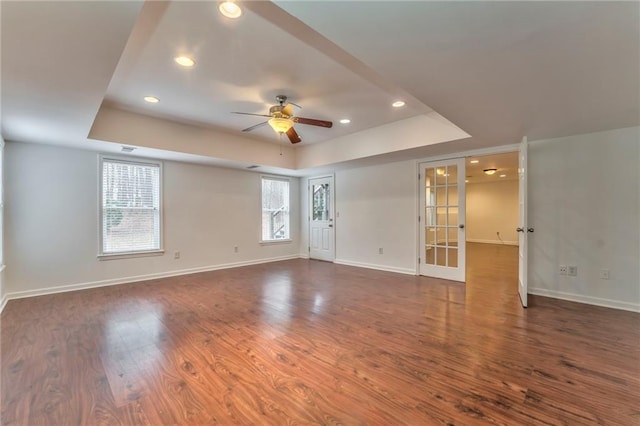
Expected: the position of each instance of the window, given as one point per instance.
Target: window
(130, 216)
(275, 209)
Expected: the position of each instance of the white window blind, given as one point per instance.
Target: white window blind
(130, 213)
(275, 209)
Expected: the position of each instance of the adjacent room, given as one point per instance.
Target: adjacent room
(308, 212)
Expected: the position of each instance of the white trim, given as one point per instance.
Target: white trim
(3, 302)
(471, 153)
(271, 242)
(137, 278)
(115, 256)
(607, 303)
(498, 242)
(407, 271)
(303, 255)
(2, 267)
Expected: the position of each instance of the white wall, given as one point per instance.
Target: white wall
(376, 208)
(584, 204)
(492, 207)
(52, 221)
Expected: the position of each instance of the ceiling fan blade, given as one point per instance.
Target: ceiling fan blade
(313, 122)
(249, 113)
(293, 135)
(248, 129)
(288, 109)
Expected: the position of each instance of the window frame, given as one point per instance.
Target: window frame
(282, 179)
(134, 253)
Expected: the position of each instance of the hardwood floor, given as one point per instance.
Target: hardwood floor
(300, 342)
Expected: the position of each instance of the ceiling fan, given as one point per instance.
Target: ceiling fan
(282, 119)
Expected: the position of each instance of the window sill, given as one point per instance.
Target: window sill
(129, 255)
(271, 242)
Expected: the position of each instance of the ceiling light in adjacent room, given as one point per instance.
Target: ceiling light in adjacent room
(466, 181)
(503, 175)
(474, 161)
(230, 9)
(185, 61)
(280, 125)
(490, 171)
(151, 99)
(345, 121)
(398, 104)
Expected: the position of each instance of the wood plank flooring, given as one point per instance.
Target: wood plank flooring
(308, 342)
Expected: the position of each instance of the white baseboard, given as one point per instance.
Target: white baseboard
(3, 302)
(506, 243)
(138, 278)
(373, 266)
(607, 303)
(303, 255)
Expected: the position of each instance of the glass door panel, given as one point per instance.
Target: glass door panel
(442, 237)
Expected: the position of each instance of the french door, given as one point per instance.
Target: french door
(523, 225)
(442, 218)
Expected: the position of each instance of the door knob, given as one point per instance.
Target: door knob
(330, 225)
(529, 229)
(461, 226)
(520, 229)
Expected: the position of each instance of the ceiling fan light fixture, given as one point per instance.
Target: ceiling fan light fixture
(230, 9)
(280, 125)
(490, 171)
(185, 61)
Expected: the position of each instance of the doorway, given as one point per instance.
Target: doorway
(492, 200)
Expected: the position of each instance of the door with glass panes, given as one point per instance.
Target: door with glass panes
(321, 230)
(441, 219)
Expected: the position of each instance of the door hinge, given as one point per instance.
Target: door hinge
(419, 219)
(418, 176)
(419, 260)
(309, 248)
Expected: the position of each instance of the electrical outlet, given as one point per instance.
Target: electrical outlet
(562, 270)
(380, 250)
(176, 255)
(572, 271)
(604, 274)
(235, 249)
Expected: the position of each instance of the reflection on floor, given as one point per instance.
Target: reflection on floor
(310, 342)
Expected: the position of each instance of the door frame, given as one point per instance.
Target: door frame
(462, 154)
(332, 212)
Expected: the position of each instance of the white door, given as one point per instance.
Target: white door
(441, 219)
(321, 230)
(523, 228)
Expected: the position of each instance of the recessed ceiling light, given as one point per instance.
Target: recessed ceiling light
(466, 181)
(151, 99)
(185, 61)
(503, 175)
(230, 9)
(345, 121)
(489, 171)
(398, 104)
(474, 161)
